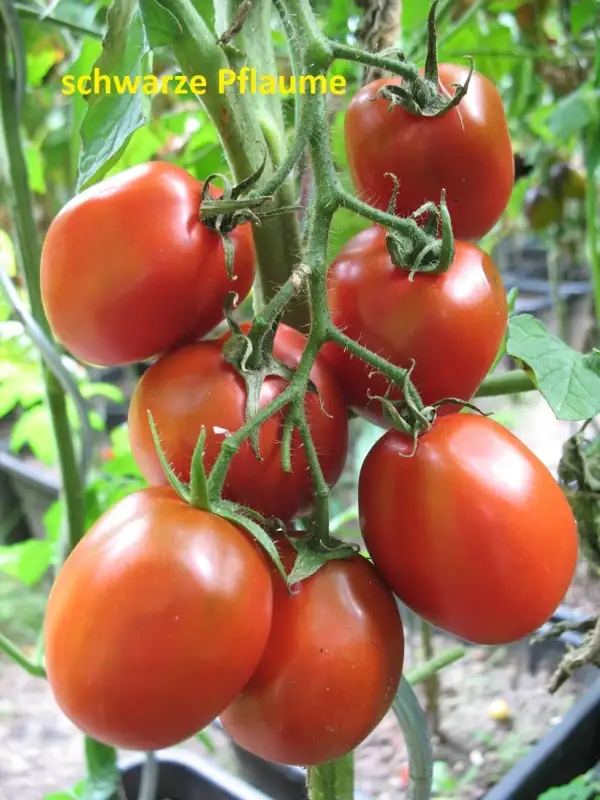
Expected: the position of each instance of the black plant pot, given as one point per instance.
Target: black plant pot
(183, 776)
(570, 749)
(35, 488)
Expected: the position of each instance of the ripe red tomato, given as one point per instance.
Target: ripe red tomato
(148, 631)
(473, 532)
(194, 386)
(466, 151)
(330, 669)
(451, 325)
(128, 270)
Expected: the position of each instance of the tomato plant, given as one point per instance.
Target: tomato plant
(194, 386)
(148, 635)
(129, 270)
(450, 324)
(466, 152)
(483, 542)
(330, 669)
(164, 615)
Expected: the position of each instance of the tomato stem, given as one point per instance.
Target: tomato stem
(395, 65)
(14, 652)
(277, 240)
(28, 243)
(512, 382)
(333, 780)
(411, 719)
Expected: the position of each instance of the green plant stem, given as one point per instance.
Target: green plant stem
(29, 249)
(432, 683)
(14, 652)
(395, 65)
(512, 382)
(424, 671)
(335, 779)
(277, 240)
(591, 213)
(411, 719)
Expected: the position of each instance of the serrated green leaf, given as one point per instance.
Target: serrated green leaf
(103, 778)
(112, 118)
(160, 24)
(568, 380)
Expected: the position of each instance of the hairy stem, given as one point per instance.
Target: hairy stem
(277, 239)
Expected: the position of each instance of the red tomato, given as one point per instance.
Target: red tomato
(148, 631)
(194, 386)
(128, 270)
(473, 532)
(330, 669)
(451, 324)
(466, 151)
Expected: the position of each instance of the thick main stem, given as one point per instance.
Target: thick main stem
(277, 239)
(335, 779)
(29, 250)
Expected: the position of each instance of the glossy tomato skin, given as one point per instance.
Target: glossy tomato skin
(148, 634)
(473, 532)
(330, 669)
(128, 270)
(451, 325)
(467, 152)
(194, 386)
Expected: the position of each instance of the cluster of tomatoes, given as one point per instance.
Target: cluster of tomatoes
(165, 616)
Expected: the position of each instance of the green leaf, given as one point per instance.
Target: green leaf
(160, 24)
(111, 118)
(89, 54)
(573, 113)
(41, 57)
(35, 168)
(33, 429)
(100, 389)
(568, 380)
(27, 561)
(103, 778)
(581, 13)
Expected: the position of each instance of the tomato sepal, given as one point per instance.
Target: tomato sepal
(247, 519)
(427, 254)
(312, 553)
(176, 483)
(420, 96)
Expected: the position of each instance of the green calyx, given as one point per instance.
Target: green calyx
(312, 553)
(421, 250)
(420, 95)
